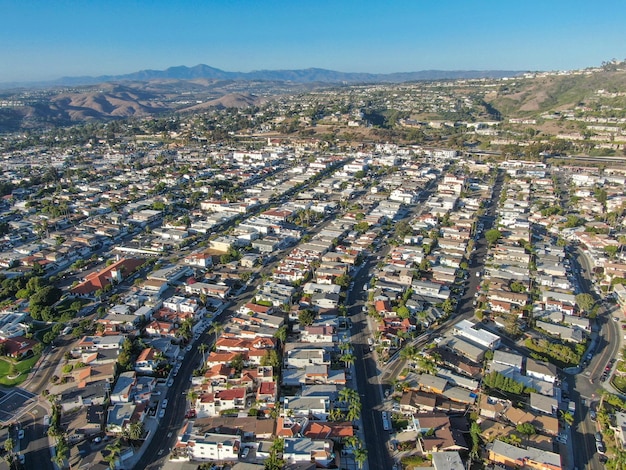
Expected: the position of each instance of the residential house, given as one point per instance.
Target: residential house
(529, 457)
(209, 446)
(303, 449)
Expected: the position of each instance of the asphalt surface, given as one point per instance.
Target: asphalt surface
(585, 387)
(367, 374)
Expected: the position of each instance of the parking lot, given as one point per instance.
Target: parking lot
(11, 401)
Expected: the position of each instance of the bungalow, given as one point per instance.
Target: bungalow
(437, 435)
(541, 370)
(209, 446)
(267, 392)
(95, 343)
(431, 383)
(302, 449)
(573, 335)
(417, 402)
(299, 358)
(529, 457)
(316, 407)
(147, 361)
(316, 334)
(121, 393)
(544, 404)
(119, 416)
(203, 288)
(201, 260)
(160, 328)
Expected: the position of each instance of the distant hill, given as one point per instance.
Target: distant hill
(113, 100)
(531, 97)
(310, 75)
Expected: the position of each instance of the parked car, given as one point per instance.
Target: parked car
(161, 413)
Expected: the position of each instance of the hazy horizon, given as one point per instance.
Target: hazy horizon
(47, 41)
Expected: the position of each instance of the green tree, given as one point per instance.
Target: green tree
(585, 301)
(202, 347)
(526, 429)
(348, 359)
(306, 317)
(281, 334)
(136, 431)
(611, 251)
(114, 450)
(237, 363)
(492, 236)
(9, 445)
(360, 456)
(270, 358)
(567, 417)
(475, 433)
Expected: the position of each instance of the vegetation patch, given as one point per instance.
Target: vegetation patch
(9, 368)
(619, 382)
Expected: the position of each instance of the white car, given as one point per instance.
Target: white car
(20, 434)
(161, 413)
(164, 403)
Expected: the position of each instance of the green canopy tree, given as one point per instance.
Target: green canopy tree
(585, 301)
(492, 236)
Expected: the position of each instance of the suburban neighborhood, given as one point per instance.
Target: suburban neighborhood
(291, 304)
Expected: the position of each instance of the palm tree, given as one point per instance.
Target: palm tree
(335, 414)
(567, 417)
(348, 359)
(281, 334)
(202, 348)
(408, 352)
(192, 396)
(360, 456)
(216, 329)
(136, 431)
(354, 411)
(347, 395)
(352, 441)
(344, 347)
(114, 451)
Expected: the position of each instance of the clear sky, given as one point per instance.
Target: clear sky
(48, 39)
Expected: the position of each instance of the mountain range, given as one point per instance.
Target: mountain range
(310, 75)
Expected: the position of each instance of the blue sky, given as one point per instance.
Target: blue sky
(46, 39)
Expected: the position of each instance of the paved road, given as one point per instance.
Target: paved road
(367, 375)
(586, 386)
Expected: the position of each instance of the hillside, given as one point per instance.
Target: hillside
(532, 97)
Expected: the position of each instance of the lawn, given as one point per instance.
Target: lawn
(619, 382)
(24, 366)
